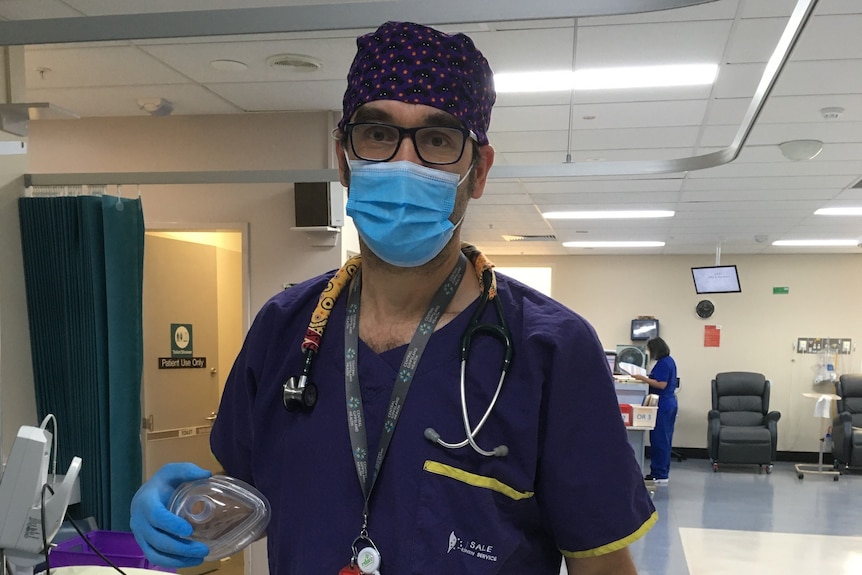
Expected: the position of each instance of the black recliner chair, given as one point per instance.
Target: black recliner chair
(847, 425)
(741, 429)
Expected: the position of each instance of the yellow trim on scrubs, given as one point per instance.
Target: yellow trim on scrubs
(476, 480)
(616, 545)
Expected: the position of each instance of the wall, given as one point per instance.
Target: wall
(17, 399)
(207, 143)
(758, 329)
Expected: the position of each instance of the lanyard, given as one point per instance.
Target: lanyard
(355, 415)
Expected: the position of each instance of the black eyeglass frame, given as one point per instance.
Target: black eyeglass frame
(348, 135)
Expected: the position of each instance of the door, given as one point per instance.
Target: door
(181, 360)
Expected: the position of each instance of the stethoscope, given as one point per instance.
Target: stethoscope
(300, 393)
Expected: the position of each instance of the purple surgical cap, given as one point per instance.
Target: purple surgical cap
(419, 65)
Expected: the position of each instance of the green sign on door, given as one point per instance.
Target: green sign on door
(181, 340)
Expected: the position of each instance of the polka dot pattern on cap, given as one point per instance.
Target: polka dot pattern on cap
(415, 64)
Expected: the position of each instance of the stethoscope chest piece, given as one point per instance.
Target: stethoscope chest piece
(299, 395)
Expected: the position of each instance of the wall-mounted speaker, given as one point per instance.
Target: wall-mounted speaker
(318, 204)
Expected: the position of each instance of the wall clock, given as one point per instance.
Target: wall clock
(704, 308)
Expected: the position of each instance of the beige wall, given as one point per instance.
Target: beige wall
(758, 329)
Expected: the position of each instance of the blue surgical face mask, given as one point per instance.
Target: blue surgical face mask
(402, 209)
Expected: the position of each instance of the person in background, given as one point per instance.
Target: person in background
(357, 475)
(662, 382)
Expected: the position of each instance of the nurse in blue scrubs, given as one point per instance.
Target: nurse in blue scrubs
(662, 382)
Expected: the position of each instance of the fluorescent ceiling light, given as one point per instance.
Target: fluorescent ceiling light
(857, 211)
(607, 78)
(608, 215)
(815, 243)
(617, 244)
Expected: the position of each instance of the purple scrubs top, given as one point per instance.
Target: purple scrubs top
(569, 484)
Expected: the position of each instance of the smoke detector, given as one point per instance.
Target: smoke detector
(156, 106)
(831, 112)
(296, 62)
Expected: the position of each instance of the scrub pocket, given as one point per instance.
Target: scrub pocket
(466, 523)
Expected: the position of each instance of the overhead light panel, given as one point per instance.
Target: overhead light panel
(854, 211)
(613, 244)
(609, 215)
(801, 150)
(607, 78)
(815, 243)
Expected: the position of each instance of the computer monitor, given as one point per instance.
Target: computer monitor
(716, 279)
(644, 329)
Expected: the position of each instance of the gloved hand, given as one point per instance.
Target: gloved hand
(162, 535)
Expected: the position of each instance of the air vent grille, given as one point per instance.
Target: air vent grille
(533, 238)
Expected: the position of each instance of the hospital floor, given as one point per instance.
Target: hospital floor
(739, 522)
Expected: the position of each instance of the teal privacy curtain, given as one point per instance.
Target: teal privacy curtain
(83, 268)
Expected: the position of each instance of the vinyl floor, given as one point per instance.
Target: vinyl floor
(741, 522)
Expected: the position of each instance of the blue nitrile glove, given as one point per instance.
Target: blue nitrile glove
(162, 535)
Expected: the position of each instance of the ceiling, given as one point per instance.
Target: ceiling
(619, 142)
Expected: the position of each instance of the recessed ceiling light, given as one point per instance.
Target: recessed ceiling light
(295, 62)
(229, 65)
(607, 78)
(854, 211)
(608, 215)
(614, 244)
(815, 243)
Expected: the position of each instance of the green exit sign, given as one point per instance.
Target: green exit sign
(780, 290)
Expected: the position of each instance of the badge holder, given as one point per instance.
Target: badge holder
(364, 561)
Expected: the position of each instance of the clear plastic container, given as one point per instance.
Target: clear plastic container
(227, 514)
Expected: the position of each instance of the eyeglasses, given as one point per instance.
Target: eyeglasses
(436, 145)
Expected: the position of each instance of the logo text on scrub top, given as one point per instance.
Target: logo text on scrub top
(477, 550)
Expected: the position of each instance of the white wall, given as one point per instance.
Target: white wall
(758, 329)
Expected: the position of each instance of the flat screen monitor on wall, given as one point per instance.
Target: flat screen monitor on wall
(644, 329)
(716, 279)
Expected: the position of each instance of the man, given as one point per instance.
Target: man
(361, 478)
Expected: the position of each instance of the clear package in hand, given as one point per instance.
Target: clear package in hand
(227, 514)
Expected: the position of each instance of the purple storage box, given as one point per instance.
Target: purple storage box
(118, 546)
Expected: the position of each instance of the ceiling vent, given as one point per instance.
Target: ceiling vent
(535, 238)
(296, 62)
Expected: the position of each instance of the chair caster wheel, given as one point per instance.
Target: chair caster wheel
(800, 475)
(768, 469)
(715, 467)
(835, 478)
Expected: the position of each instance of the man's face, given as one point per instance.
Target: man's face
(414, 116)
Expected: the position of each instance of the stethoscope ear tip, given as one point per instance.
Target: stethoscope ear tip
(501, 451)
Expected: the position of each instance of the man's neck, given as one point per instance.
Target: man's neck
(394, 300)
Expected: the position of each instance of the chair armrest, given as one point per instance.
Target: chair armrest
(843, 417)
(772, 417)
(771, 423)
(842, 436)
(713, 414)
